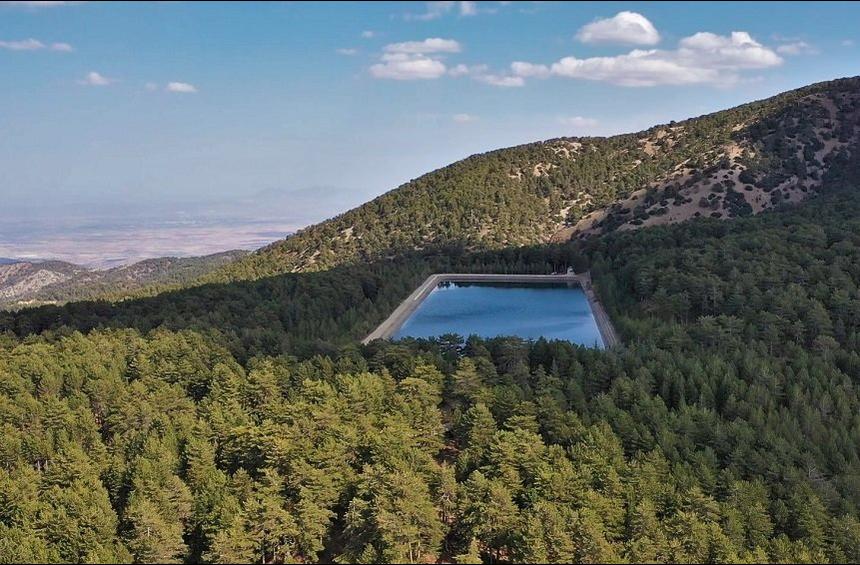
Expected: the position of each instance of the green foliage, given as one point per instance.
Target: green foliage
(524, 195)
(241, 422)
(146, 277)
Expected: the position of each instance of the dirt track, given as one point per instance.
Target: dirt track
(390, 326)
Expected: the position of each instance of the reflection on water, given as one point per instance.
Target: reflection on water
(549, 310)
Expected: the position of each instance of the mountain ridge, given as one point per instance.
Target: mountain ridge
(745, 160)
(724, 164)
(32, 283)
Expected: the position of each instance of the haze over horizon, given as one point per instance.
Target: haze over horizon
(139, 130)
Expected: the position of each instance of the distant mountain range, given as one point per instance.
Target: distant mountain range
(28, 283)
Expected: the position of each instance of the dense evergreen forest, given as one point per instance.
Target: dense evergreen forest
(727, 428)
(240, 420)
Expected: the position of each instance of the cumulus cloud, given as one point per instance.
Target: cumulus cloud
(182, 87)
(630, 28)
(415, 60)
(34, 45)
(96, 79)
(796, 48)
(702, 58)
(529, 70)
(435, 10)
(368, 34)
(22, 45)
(468, 8)
(460, 70)
(348, 51)
(637, 68)
(415, 66)
(737, 51)
(430, 45)
(505, 81)
(406, 66)
(482, 74)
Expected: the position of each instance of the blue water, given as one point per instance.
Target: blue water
(550, 310)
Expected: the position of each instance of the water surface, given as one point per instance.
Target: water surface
(527, 310)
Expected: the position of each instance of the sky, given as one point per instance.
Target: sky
(130, 130)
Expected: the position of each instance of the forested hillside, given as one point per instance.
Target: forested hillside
(19, 280)
(29, 283)
(732, 163)
(729, 164)
(242, 422)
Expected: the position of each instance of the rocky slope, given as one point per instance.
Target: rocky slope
(23, 280)
(31, 283)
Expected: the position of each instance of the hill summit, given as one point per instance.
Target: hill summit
(735, 162)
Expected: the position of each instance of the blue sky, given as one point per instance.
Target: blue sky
(281, 114)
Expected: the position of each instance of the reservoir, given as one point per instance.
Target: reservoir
(490, 309)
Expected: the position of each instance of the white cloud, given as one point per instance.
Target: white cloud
(481, 73)
(847, 43)
(796, 48)
(528, 70)
(415, 60)
(430, 45)
(368, 34)
(463, 118)
(349, 51)
(406, 66)
(459, 70)
(182, 87)
(436, 10)
(629, 28)
(578, 122)
(702, 58)
(34, 45)
(737, 51)
(95, 79)
(22, 45)
(151, 86)
(637, 68)
(468, 8)
(501, 80)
